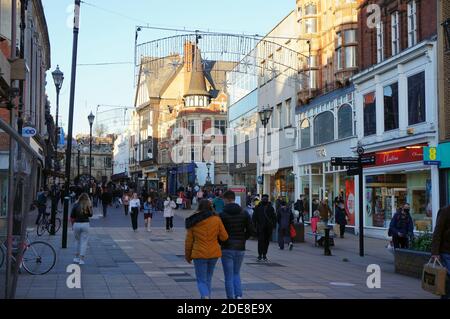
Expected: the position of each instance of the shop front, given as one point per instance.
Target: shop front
(283, 184)
(318, 180)
(400, 176)
(244, 174)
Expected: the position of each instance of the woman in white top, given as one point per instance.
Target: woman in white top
(169, 206)
(135, 205)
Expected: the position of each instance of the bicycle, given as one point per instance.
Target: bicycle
(46, 225)
(38, 257)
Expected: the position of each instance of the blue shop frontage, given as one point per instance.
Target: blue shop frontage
(181, 176)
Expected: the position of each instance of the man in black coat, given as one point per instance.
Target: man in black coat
(264, 220)
(239, 227)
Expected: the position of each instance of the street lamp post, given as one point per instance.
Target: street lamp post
(91, 119)
(58, 78)
(135, 164)
(264, 116)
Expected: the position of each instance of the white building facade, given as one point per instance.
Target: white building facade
(396, 111)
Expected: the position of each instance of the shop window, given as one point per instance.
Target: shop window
(391, 107)
(345, 121)
(305, 133)
(370, 116)
(324, 128)
(412, 23)
(416, 98)
(380, 42)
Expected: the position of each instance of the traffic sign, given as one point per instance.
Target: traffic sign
(368, 160)
(28, 131)
(260, 180)
(344, 161)
(352, 171)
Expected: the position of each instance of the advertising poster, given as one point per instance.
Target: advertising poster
(350, 202)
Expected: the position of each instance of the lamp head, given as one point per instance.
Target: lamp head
(58, 77)
(91, 118)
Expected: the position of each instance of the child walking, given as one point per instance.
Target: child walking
(149, 209)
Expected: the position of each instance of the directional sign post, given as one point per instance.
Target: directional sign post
(355, 167)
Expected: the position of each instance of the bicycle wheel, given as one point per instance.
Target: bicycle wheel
(39, 258)
(41, 228)
(57, 224)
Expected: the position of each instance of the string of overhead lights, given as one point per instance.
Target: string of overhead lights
(147, 25)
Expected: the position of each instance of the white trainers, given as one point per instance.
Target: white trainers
(149, 230)
(76, 260)
(81, 262)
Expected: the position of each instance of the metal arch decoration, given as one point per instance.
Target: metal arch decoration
(251, 54)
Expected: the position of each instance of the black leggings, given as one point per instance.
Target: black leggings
(264, 237)
(134, 217)
(169, 223)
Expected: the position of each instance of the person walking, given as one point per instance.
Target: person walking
(325, 211)
(401, 227)
(126, 202)
(204, 230)
(218, 203)
(239, 227)
(285, 218)
(149, 210)
(106, 200)
(80, 214)
(440, 245)
(340, 216)
(264, 221)
(135, 205)
(169, 206)
(300, 207)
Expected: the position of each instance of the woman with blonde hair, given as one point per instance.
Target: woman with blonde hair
(80, 214)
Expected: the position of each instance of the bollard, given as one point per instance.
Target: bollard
(326, 246)
(65, 220)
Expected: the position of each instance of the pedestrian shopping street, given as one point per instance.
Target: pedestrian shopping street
(123, 264)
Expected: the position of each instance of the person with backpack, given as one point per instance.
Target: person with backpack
(204, 231)
(264, 221)
(81, 212)
(300, 207)
(238, 225)
(169, 206)
(401, 227)
(41, 204)
(285, 219)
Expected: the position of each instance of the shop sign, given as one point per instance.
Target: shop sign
(28, 131)
(399, 156)
(344, 161)
(431, 156)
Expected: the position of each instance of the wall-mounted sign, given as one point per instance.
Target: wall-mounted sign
(431, 156)
(28, 131)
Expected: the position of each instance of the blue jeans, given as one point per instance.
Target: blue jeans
(204, 269)
(231, 263)
(445, 258)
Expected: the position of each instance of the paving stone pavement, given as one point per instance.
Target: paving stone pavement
(122, 264)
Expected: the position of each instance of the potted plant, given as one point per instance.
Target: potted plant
(410, 261)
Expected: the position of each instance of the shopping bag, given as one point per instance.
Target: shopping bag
(434, 276)
(337, 229)
(292, 231)
(179, 200)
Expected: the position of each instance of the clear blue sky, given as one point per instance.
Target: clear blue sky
(108, 37)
